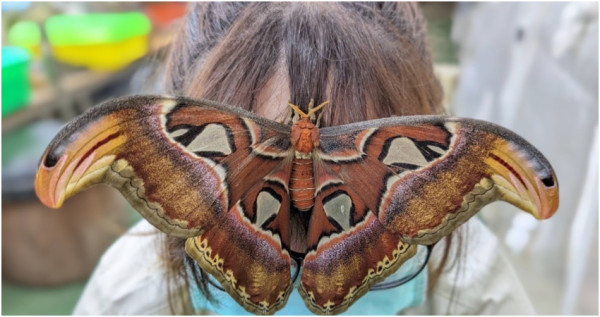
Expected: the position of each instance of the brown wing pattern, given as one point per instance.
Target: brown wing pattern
(219, 176)
(244, 250)
(384, 185)
(349, 249)
(192, 169)
(424, 176)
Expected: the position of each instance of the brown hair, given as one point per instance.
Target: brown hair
(370, 60)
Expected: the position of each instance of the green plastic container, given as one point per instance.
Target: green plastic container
(16, 90)
(95, 28)
(26, 34)
(102, 41)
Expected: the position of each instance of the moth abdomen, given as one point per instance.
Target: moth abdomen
(302, 188)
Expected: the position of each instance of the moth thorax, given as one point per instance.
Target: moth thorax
(304, 136)
(302, 186)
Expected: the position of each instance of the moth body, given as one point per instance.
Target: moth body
(304, 137)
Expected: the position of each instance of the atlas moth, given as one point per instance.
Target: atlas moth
(235, 184)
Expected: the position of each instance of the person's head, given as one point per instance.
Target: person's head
(369, 60)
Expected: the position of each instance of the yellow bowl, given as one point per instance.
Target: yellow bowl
(104, 57)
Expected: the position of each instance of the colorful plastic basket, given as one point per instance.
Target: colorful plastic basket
(99, 41)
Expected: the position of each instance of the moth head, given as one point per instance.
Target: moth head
(299, 115)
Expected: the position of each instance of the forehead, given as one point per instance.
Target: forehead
(272, 100)
(277, 110)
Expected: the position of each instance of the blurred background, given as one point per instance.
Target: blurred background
(531, 67)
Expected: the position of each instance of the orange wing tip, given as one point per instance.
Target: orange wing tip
(53, 185)
(524, 180)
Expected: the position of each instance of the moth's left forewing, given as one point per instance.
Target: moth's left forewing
(178, 161)
(122, 143)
